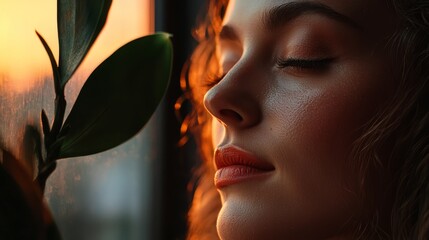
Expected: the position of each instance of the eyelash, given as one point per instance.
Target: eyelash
(300, 64)
(304, 64)
(211, 81)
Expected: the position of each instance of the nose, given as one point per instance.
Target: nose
(234, 103)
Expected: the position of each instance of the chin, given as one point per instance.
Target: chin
(238, 220)
(232, 227)
(255, 219)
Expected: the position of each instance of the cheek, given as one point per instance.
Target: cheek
(318, 124)
(314, 130)
(335, 116)
(331, 121)
(325, 116)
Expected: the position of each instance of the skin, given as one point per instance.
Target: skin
(301, 120)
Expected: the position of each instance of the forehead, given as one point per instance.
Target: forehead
(372, 15)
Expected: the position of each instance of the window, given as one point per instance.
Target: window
(104, 196)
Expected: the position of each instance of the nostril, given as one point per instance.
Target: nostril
(230, 114)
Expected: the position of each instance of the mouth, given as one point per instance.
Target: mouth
(235, 165)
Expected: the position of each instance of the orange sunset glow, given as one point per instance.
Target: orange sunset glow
(22, 56)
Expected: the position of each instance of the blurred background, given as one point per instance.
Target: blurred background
(139, 190)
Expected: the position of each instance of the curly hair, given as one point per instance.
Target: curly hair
(402, 127)
(203, 66)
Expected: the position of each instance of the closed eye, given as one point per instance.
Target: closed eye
(213, 80)
(299, 64)
(304, 64)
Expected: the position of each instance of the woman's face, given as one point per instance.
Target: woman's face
(301, 80)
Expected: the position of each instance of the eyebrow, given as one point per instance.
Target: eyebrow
(285, 13)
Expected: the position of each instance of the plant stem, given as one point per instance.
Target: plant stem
(48, 165)
(44, 173)
(60, 108)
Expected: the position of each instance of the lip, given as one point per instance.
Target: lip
(235, 165)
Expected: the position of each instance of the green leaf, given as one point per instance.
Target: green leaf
(79, 23)
(118, 98)
(54, 66)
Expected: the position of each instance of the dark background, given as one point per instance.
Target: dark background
(178, 18)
